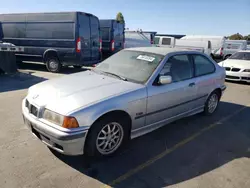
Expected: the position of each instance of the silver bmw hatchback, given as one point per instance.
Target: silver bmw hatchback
(133, 92)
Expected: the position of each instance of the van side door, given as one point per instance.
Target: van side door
(95, 39)
(84, 36)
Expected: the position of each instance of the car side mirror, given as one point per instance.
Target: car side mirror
(165, 80)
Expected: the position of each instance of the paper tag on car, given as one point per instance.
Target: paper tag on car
(146, 58)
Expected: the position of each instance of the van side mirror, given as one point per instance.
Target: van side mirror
(165, 80)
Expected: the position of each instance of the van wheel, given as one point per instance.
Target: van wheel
(53, 64)
(106, 137)
(212, 103)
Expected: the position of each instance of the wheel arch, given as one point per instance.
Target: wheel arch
(114, 113)
(50, 52)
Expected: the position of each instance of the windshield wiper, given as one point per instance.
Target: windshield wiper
(116, 75)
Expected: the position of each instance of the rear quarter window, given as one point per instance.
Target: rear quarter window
(203, 65)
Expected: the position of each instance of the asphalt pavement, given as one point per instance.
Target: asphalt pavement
(198, 151)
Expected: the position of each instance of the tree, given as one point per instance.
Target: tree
(247, 37)
(236, 36)
(120, 18)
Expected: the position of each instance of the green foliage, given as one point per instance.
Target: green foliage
(238, 36)
(120, 18)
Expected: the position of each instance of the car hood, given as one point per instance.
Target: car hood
(68, 93)
(243, 64)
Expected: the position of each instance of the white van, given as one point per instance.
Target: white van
(232, 46)
(217, 43)
(137, 39)
(202, 46)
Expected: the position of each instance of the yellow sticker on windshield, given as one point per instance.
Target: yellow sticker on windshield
(146, 58)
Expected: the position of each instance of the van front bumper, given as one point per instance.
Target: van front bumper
(68, 143)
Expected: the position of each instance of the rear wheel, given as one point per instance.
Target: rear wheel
(212, 103)
(106, 137)
(53, 64)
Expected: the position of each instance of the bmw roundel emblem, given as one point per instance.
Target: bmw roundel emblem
(35, 96)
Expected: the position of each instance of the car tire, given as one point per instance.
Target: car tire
(212, 103)
(101, 143)
(53, 64)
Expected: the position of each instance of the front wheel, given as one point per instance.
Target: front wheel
(212, 103)
(106, 137)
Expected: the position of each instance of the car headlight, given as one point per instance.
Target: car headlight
(246, 70)
(58, 119)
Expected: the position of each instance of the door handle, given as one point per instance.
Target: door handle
(191, 84)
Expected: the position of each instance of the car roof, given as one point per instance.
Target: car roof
(159, 50)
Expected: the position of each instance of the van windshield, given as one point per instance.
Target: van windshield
(241, 56)
(105, 33)
(134, 66)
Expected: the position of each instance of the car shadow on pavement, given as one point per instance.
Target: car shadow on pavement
(18, 81)
(42, 67)
(229, 139)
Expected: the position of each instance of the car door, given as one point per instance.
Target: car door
(171, 100)
(84, 36)
(95, 39)
(205, 79)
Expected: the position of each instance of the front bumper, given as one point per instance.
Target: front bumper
(238, 76)
(65, 142)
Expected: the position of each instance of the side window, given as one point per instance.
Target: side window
(209, 45)
(203, 65)
(13, 30)
(166, 41)
(179, 67)
(50, 30)
(84, 26)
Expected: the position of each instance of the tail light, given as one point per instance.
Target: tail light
(112, 45)
(100, 49)
(78, 45)
(221, 51)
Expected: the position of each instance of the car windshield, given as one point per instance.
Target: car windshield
(241, 56)
(131, 65)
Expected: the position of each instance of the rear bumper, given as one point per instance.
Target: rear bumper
(238, 76)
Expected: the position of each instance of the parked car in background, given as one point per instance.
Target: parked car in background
(202, 46)
(138, 39)
(217, 43)
(237, 66)
(232, 46)
(131, 93)
(57, 39)
(113, 37)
